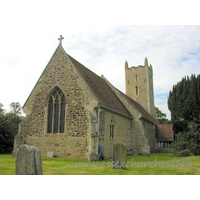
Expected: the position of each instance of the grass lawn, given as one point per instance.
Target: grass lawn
(137, 165)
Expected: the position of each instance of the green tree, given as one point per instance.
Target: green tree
(1, 108)
(188, 142)
(184, 102)
(9, 123)
(4, 133)
(16, 108)
(161, 116)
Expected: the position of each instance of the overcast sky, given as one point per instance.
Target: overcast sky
(29, 36)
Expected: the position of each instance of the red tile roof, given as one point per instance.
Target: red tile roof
(165, 133)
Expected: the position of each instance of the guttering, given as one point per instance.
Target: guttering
(146, 120)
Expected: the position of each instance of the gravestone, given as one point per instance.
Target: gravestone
(119, 155)
(50, 154)
(28, 161)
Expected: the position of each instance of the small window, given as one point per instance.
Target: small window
(136, 78)
(111, 129)
(136, 89)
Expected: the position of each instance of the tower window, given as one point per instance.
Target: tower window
(56, 112)
(136, 78)
(136, 89)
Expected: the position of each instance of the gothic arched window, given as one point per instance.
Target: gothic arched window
(56, 112)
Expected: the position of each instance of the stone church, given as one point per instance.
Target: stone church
(72, 111)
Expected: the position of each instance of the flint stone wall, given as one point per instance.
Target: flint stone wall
(122, 132)
(74, 142)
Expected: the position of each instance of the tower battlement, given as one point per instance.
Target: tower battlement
(145, 65)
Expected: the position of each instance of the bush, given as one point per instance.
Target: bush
(180, 143)
(188, 143)
(186, 152)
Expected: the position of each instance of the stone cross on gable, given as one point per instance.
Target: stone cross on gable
(61, 38)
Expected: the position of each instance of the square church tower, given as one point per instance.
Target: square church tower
(139, 85)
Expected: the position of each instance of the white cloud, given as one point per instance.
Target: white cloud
(172, 50)
(29, 33)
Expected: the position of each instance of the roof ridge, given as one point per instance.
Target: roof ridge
(99, 87)
(115, 95)
(71, 59)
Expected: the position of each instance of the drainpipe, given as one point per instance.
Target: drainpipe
(98, 114)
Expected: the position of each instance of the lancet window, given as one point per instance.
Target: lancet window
(56, 112)
(111, 129)
(136, 88)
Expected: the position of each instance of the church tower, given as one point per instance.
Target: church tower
(139, 85)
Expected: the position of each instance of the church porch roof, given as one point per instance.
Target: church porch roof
(165, 133)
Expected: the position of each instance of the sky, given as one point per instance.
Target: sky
(92, 35)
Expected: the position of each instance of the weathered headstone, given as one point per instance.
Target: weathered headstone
(119, 155)
(50, 154)
(38, 161)
(28, 161)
